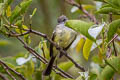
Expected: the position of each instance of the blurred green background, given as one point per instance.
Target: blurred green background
(44, 21)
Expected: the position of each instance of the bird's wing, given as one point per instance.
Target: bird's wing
(61, 54)
(70, 43)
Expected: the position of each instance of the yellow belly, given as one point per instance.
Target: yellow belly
(64, 36)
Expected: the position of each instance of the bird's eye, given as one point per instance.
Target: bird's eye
(64, 19)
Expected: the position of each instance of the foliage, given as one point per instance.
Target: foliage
(94, 44)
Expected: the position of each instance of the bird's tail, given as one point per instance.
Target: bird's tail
(49, 67)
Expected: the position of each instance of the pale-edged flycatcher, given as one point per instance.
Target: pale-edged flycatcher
(64, 37)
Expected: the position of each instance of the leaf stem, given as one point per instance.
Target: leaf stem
(115, 51)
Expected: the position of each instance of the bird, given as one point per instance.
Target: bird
(63, 37)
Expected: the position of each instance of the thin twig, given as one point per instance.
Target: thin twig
(6, 67)
(110, 17)
(110, 14)
(112, 39)
(108, 53)
(66, 75)
(73, 3)
(114, 48)
(43, 52)
(3, 77)
(15, 35)
(110, 65)
(32, 51)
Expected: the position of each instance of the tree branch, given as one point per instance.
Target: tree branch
(91, 17)
(42, 59)
(112, 40)
(52, 42)
(62, 73)
(3, 77)
(6, 67)
(58, 48)
(110, 15)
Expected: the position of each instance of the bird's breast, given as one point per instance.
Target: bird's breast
(64, 36)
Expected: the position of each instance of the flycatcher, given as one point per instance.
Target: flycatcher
(64, 37)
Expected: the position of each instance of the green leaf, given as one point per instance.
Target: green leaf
(19, 10)
(107, 10)
(115, 62)
(118, 31)
(86, 48)
(27, 38)
(96, 59)
(34, 11)
(10, 65)
(45, 47)
(15, 14)
(93, 77)
(80, 26)
(65, 65)
(107, 73)
(19, 24)
(10, 60)
(1, 8)
(1, 23)
(8, 11)
(111, 68)
(106, 5)
(1, 69)
(80, 44)
(29, 69)
(38, 74)
(80, 78)
(113, 27)
(18, 30)
(24, 5)
(8, 2)
(114, 3)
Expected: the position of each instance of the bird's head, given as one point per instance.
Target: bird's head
(62, 19)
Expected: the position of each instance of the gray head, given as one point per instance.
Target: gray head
(62, 19)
